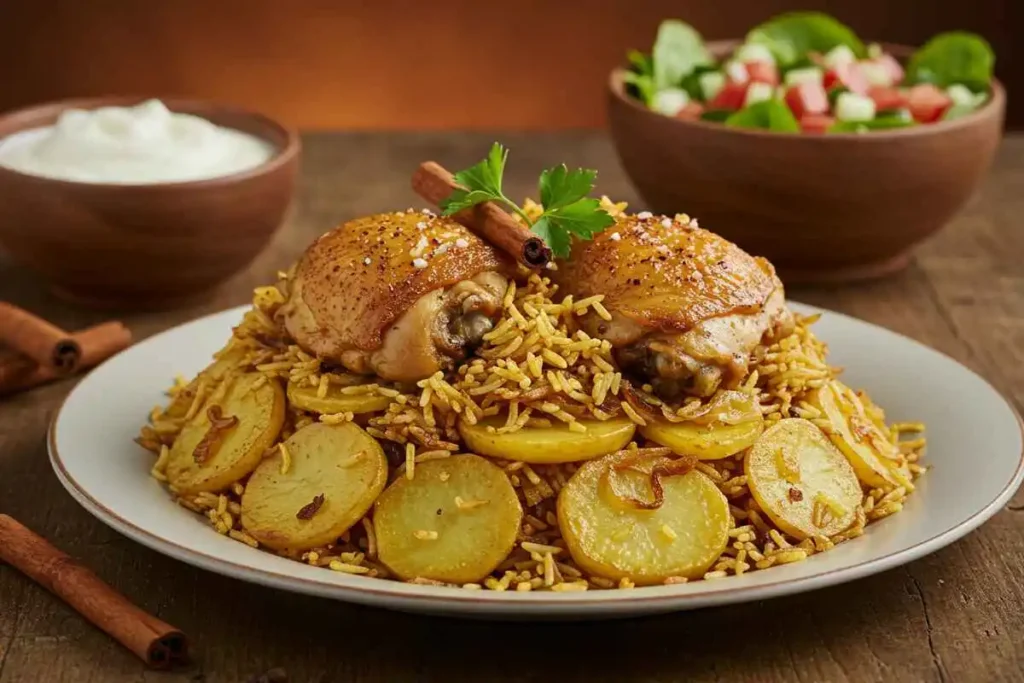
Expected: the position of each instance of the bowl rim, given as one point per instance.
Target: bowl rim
(997, 102)
(284, 154)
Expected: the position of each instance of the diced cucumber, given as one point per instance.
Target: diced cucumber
(758, 92)
(754, 52)
(834, 93)
(961, 94)
(875, 51)
(808, 74)
(670, 101)
(876, 74)
(958, 110)
(853, 107)
(711, 83)
(737, 73)
(902, 114)
(840, 54)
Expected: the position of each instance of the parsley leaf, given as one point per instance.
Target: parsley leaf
(483, 182)
(559, 186)
(583, 218)
(563, 193)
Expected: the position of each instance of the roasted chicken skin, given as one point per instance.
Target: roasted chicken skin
(399, 295)
(687, 306)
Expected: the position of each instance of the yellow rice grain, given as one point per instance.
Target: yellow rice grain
(244, 538)
(410, 461)
(540, 548)
(161, 463)
(346, 568)
(633, 415)
(337, 418)
(286, 458)
(371, 537)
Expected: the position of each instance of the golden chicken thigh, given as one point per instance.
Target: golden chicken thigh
(399, 295)
(687, 306)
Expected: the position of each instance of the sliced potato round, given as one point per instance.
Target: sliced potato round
(611, 536)
(226, 360)
(205, 457)
(705, 442)
(861, 440)
(801, 481)
(455, 520)
(548, 445)
(335, 474)
(305, 397)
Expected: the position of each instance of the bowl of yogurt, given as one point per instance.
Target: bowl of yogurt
(138, 202)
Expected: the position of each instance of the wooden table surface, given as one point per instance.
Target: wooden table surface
(957, 615)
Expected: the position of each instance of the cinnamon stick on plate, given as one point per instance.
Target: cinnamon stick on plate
(158, 644)
(488, 220)
(19, 372)
(49, 346)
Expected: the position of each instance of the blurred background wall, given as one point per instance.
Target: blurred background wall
(403, 64)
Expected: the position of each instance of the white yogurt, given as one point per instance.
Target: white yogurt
(132, 146)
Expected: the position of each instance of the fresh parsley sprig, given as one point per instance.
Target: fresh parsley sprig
(568, 211)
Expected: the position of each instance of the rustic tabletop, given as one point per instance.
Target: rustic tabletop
(953, 616)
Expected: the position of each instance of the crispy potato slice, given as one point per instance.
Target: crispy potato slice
(548, 445)
(258, 406)
(226, 360)
(454, 521)
(801, 481)
(611, 536)
(305, 397)
(341, 466)
(877, 462)
(705, 442)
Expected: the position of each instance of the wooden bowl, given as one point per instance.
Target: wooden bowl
(820, 207)
(145, 246)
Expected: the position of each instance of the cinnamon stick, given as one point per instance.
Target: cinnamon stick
(488, 220)
(46, 344)
(158, 644)
(19, 372)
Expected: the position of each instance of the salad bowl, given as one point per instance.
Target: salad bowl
(822, 208)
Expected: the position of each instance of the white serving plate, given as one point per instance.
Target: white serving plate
(975, 454)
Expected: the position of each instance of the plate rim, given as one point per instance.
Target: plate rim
(418, 597)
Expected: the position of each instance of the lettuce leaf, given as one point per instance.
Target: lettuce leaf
(792, 35)
(678, 50)
(954, 57)
(767, 115)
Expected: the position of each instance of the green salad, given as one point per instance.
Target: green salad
(805, 72)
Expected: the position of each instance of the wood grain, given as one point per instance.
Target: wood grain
(449, 64)
(953, 616)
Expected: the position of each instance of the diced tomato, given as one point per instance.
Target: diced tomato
(887, 98)
(927, 103)
(762, 72)
(731, 96)
(892, 66)
(816, 123)
(807, 98)
(691, 112)
(849, 76)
